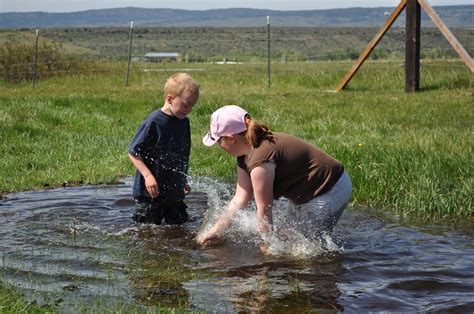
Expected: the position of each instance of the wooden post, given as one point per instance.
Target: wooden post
(412, 46)
(447, 33)
(371, 46)
(412, 41)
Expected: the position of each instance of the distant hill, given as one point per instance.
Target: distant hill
(453, 16)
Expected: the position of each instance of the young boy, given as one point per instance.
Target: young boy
(160, 152)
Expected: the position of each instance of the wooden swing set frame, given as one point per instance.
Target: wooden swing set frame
(412, 43)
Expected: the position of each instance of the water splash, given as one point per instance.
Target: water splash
(286, 239)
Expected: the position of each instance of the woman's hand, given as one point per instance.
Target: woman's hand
(202, 238)
(264, 248)
(207, 237)
(263, 228)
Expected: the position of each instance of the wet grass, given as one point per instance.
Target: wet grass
(12, 301)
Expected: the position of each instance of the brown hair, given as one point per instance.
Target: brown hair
(256, 132)
(178, 82)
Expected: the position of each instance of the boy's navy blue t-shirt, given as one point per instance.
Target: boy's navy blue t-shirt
(163, 142)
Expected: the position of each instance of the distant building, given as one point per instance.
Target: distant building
(161, 56)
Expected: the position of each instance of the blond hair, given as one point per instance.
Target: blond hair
(256, 132)
(178, 83)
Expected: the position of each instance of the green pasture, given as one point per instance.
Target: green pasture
(407, 154)
(411, 153)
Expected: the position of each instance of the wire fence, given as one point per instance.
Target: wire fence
(125, 52)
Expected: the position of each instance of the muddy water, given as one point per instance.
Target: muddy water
(76, 248)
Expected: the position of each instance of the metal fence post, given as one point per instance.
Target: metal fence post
(129, 54)
(35, 60)
(268, 51)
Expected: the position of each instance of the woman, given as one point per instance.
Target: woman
(271, 165)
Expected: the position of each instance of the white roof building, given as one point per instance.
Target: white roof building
(159, 55)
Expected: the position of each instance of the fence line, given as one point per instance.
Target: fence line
(273, 55)
(228, 72)
(312, 57)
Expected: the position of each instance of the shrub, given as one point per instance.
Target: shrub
(17, 62)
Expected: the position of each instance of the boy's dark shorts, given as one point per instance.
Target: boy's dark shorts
(155, 213)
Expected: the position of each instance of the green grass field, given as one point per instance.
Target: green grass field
(411, 153)
(407, 154)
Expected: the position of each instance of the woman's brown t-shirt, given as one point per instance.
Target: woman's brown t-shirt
(302, 171)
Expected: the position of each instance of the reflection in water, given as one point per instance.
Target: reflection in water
(271, 287)
(78, 248)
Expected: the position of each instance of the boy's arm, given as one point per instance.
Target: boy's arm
(187, 188)
(150, 182)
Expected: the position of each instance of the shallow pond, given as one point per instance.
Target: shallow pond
(76, 248)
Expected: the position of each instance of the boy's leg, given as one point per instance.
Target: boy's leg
(176, 213)
(147, 212)
(141, 212)
(157, 213)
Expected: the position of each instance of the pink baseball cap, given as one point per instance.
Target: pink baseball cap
(227, 120)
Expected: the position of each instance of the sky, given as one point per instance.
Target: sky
(76, 5)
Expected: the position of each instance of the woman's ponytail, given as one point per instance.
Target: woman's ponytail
(257, 132)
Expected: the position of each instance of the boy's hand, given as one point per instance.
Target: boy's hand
(187, 189)
(152, 186)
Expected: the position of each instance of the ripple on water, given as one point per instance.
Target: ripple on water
(78, 245)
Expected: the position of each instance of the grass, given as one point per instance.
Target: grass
(409, 154)
(405, 152)
(12, 301)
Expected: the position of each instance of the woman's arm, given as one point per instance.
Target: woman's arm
(262, 178)
(243, 194)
